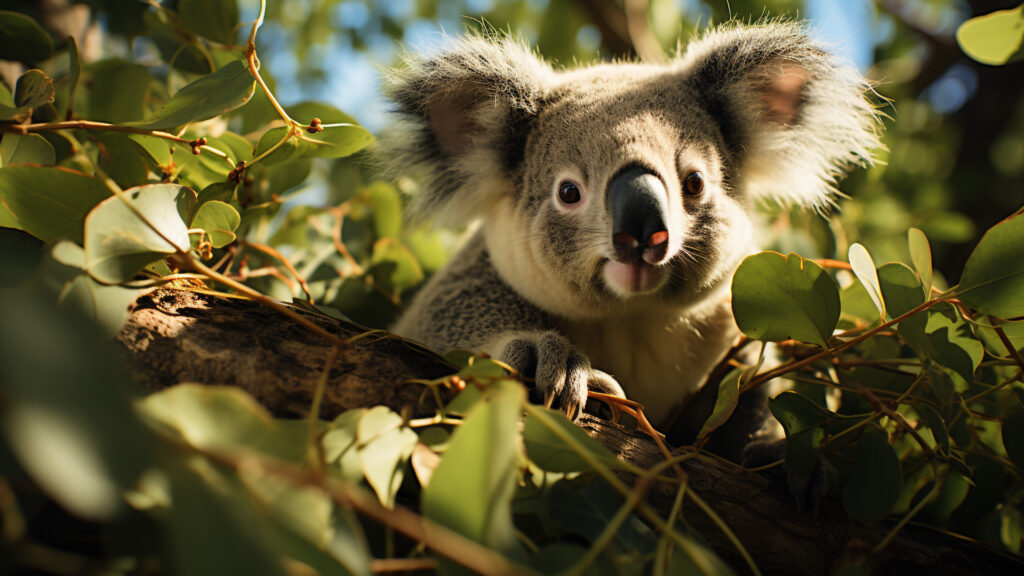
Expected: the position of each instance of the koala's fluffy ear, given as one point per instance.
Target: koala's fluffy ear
(793, 117)
(463, 120)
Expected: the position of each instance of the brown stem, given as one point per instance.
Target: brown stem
(291, 269)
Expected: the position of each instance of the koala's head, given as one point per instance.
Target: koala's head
(627, 183)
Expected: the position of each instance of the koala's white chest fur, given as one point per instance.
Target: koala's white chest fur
(660, 359)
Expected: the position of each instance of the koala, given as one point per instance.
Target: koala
(616, 200)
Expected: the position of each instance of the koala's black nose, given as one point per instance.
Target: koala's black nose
(638, 204)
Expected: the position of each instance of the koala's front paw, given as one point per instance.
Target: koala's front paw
(560, 373)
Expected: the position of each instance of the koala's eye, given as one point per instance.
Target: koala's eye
(694, 183)
(569, 192)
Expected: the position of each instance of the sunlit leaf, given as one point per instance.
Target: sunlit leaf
(864, 268)
(224, 90)
(118, 243)
(219, 220)
(22, 40)
(49, 203)
(725, 403)
(921, 257)
(993, 278)
(386, 209)
(876, 482)
(336, 141)
(158, 149)
(995, 38)
(471, 491)
(776, 297)
(385, 445)
(226, 418)
(25, 149)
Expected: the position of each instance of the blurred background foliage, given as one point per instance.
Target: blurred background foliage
(954, 128)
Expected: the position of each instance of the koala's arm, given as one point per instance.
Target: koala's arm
(468, 306)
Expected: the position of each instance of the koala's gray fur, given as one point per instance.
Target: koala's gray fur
(494, 132)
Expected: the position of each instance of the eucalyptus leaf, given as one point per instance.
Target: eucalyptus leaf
(993, 278)
(336, 141)
(22, 40)
(219, 220)
(226, 89)
(901, 288)
(471, 490)
(864, 268)
(119, 243)
(25, 149)
(34, 89)
(118, 91)
(995, 38)
(921, 257)
(48, 203)
(776, 297)
(385, 445)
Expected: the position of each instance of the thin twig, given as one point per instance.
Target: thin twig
(273, 253)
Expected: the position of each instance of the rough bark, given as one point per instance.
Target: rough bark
(177, 336)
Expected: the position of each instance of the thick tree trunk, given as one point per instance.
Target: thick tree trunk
(177, 336)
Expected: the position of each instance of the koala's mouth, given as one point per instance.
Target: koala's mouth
(632, 278)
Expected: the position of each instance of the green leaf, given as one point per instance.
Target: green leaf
(219, 220)
(226, 418)
(393, 267)
(385, 445)
(339, 443)
(118, 91)
(34, 89)
(946, 342)
(876, 482)
(725, 403)
(67, 418)
(336, 141)
(1013, 438)
(25, 149)
(864, 268)
(119, 157)
(213, 19)
(993, 278)
(22, 40)
(996, 38)
(776, 297)
(547, 449)
(994, 344)
(921, 257)
(105, 305)
(901, 288)
(471, 490)
(226, 89)
(118, 243)
(48, 203)
(74, 74)
(158, 149)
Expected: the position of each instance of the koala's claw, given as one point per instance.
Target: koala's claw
(559, 372)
